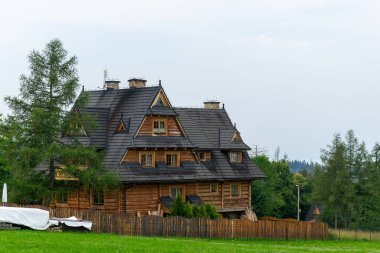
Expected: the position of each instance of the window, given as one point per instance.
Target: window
(120, 127)
(62, 197)
(159, 127)
(172, 159)
(202, 156)
(147, 159)
(98, 198)
(235, 190)
(214, 188)
(175, 192)
(235, 157)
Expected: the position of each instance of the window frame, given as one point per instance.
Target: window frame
(238, 190)
(211, 188)
(152, 153)
(239, 156)
(200, 157)
(182, 187)
(121, 127)
(97, 193)
(59, 195)
(164, 121)
(178, 154)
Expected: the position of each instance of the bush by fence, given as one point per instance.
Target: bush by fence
(124, 224)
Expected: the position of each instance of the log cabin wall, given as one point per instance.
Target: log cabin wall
(145, 198)
(243, 200)
(83, 199)
(172, 126)
(215, 199)
(142, 198)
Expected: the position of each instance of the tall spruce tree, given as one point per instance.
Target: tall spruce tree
(41, 114)
(333, 181)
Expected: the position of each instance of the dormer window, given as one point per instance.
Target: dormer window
(121, 127)
(235, 157)
(202, 156)
(147, 159)
(159, 127)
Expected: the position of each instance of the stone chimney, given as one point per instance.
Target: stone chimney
(112, 84)
(211, 104)
(137, 83)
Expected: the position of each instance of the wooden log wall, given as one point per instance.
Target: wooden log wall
(142, 198)
(146, 197)
(83, 199)
(173, 128)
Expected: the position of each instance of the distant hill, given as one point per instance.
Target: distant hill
(297, 165)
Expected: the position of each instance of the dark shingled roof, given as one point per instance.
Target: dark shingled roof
(205, 129)
(209, 128)
(161, 142)
(161, 110)
(166, 200)
(194, 199)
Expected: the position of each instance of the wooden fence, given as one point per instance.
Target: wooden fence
(124, 224)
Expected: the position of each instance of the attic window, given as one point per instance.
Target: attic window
(236, 137)
(120, 127)
(202, 156)
(235, 157)
(159, 127)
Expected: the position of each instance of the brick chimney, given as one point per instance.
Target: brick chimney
(137, 83)
(112, 84)
(211, 104)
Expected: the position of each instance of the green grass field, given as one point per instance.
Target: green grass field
(35, 241)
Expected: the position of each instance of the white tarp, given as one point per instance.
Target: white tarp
(30, 217)
(72, 222)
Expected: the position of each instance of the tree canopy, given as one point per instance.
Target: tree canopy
(41, 114)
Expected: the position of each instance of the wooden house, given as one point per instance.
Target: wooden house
(160, 151)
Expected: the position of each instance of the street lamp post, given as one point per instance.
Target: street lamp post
(298, 202)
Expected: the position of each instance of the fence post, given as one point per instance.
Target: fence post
(232, 228)
(286, 233)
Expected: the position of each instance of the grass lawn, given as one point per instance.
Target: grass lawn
(36, 241)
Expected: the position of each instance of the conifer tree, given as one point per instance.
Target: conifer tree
(41, 113)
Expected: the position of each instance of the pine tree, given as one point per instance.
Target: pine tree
(41, 114)
(333, 181)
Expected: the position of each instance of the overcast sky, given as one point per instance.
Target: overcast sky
(291, 73)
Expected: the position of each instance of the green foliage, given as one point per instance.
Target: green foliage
(347, 184)
(31, 136)
(211, 211)
(179, 208)
(274, 196)
(41, 241)
(188, 213)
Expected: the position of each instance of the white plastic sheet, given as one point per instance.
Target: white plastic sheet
(30, 217)
(72, 222)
